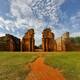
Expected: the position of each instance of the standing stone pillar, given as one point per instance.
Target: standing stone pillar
(47, 40)
(28, 41)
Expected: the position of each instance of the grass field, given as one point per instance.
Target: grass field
(67, 63)
(12, 64)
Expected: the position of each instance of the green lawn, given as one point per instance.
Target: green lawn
(67, 62)
(12, 65)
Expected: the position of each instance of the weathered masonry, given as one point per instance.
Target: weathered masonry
(9, 43)
(28, 41)
(48, 41)
(64, 43)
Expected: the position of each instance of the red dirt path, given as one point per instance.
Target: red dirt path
(41, 71)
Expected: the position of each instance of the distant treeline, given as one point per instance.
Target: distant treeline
(76, 40)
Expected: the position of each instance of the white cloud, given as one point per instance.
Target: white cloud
(23, 9)
(6, 24)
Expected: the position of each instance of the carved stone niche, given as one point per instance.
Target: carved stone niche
(28, 41)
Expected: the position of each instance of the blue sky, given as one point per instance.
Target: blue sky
(71, 7)
(17, 16)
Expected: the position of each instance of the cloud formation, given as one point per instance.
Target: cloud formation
(32, 9)
(38, 14)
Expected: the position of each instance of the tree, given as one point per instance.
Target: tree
(76, 40)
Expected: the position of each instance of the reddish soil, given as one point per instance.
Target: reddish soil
(41, 71)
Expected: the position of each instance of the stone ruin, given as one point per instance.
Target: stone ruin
(49, 43)
(28, 41)
(64, 43)
(9, 43)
